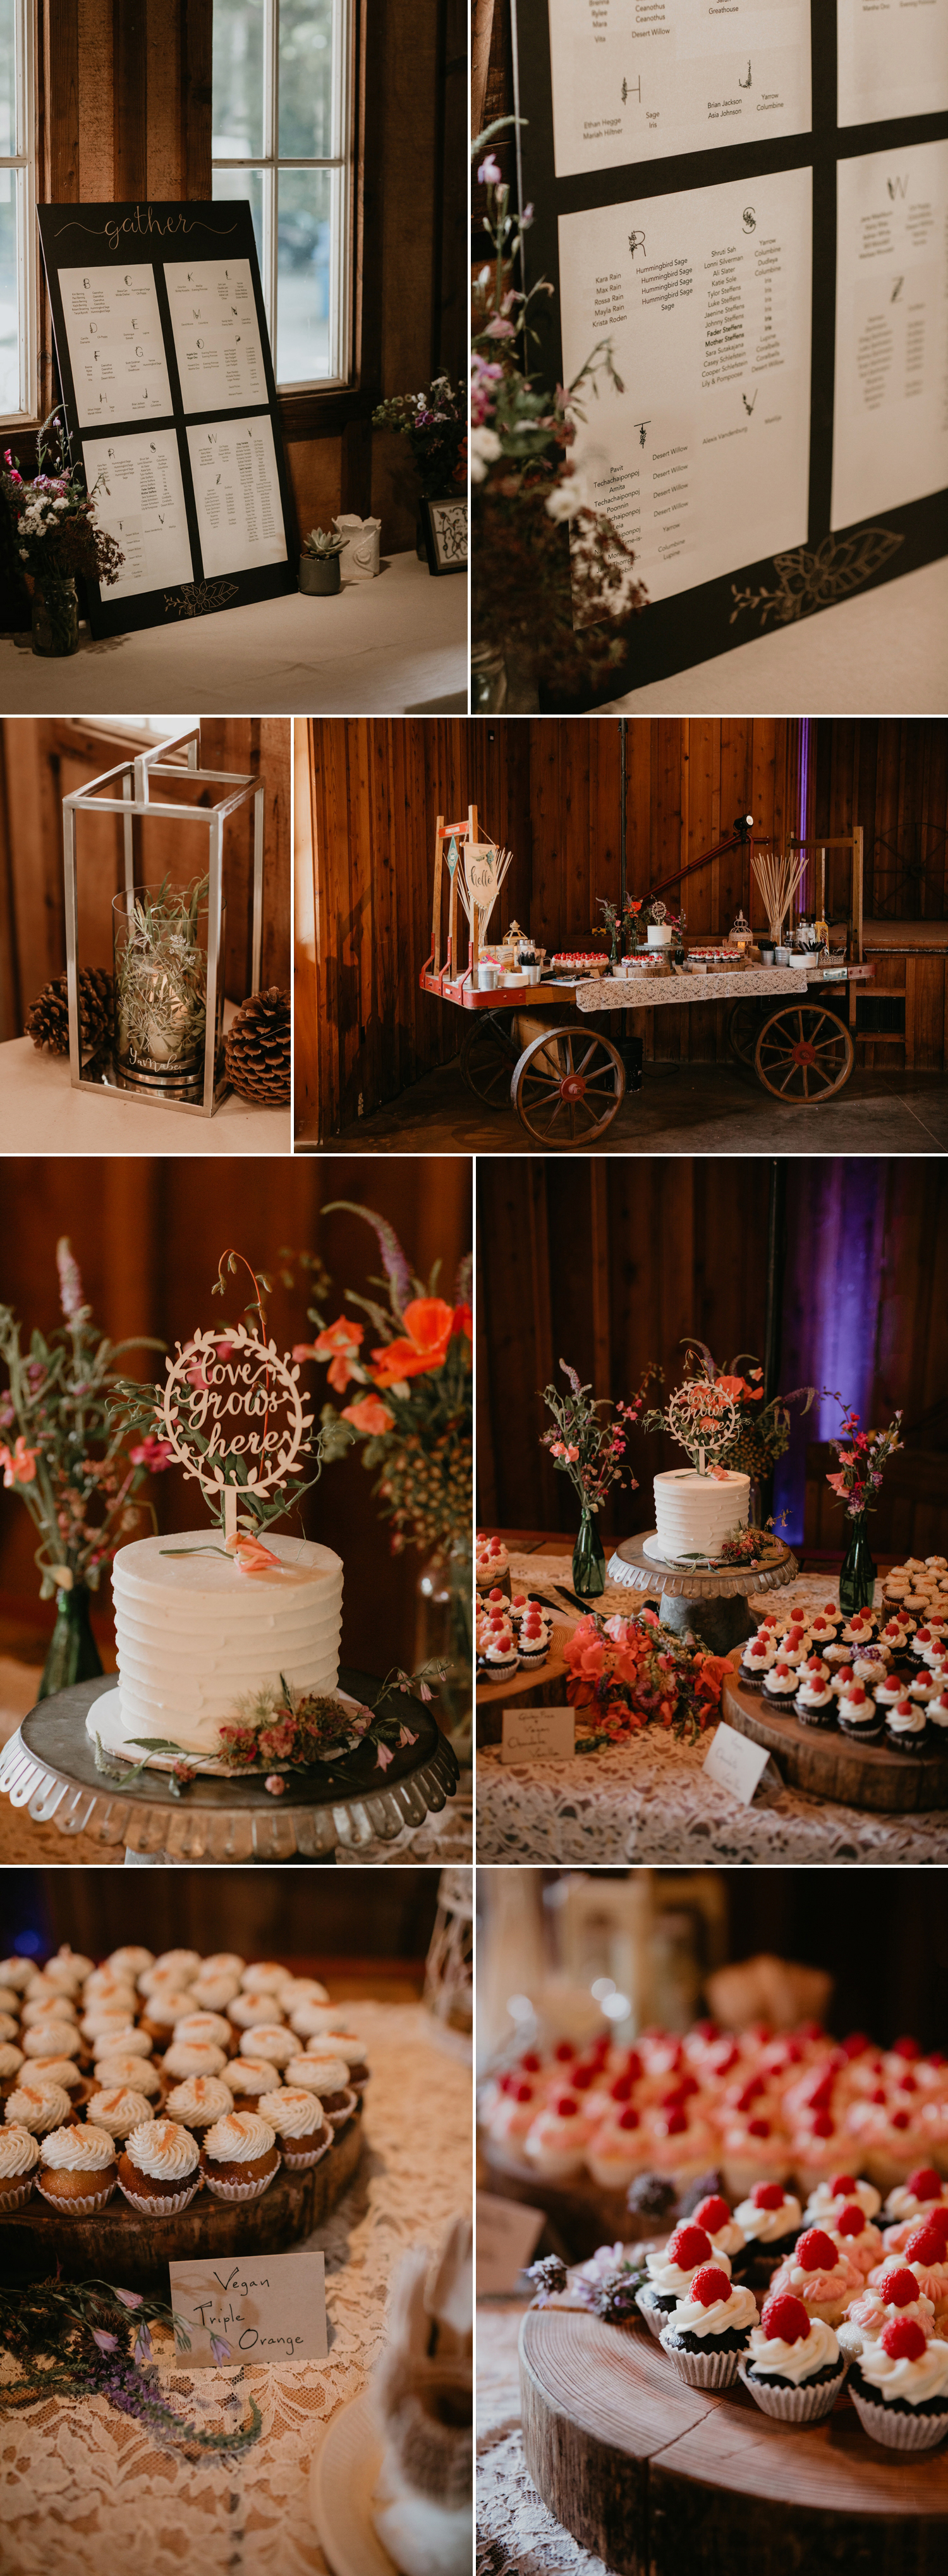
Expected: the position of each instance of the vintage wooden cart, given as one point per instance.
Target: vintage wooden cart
(545, 1050)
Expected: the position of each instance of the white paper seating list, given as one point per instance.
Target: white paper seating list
(116, 349)
(216, 337)
(140, 501)
(237, 492)
(634, 80)
(890, 432)
(892, 58)
(703, 462)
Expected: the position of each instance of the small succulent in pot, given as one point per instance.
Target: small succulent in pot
(319, 561)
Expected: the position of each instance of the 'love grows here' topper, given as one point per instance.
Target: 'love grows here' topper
(232, 1416)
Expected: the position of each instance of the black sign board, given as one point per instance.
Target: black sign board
(758, 222)
(171, 404)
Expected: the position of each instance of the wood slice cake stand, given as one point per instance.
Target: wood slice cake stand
(712, 1605)
(134, 2252)
(658, 2478)
(545, 1687)
(49, 1768)
(828, 1765)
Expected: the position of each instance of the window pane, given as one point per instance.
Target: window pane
(306, 80)
(10, 394)
(245, 183)
(7, 76)
(237, 89)
(304, 271)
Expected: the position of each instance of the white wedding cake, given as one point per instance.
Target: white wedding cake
(694, 1514)
(195, 1636)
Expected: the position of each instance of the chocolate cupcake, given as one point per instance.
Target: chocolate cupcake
(906, 1726)
(671, 2269)
(709, 2327)
(757, 1660)
(792, 2366)
(857, 1715)
(899, 2387)
(77, 2171)
(239, 2157)
(815, 1702)
(304, 2132)
(159, 2169)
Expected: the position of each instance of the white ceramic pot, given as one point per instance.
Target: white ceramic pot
(359, 560)
(800, 957)
(659, 934)
(783, 956)
(486, 978)
(766, 956)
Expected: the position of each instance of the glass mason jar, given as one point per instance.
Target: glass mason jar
(444, 1628)
(857, 1573)
(589, 1561)
(73, 1654)
(160, 951)
(55, 618)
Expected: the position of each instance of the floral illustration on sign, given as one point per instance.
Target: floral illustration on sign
(812, 578)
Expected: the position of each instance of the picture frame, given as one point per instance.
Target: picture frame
(445, 527)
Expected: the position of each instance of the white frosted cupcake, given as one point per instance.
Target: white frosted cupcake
(204, 2030)
(61, 2071)
(899, 2387)
(240, 2156)
(270, 2042)
(135, 2071)
(671, 2269)
(222, 1963)
(19, 2161)
(771, 2219)
(263, 1976)
(757, 1660)
(191, 2057)
(302, 2127)
(792, 2366)
(857, 1714)
(159, 2169)
(894, 2293)
(51, 2039)
(825, 2203)
(339, 2041)
(557, 2141)
(198, 2101)
(708, 2328)
(246, 2078)
(11, 2060)
(781, 1683)
(131, 1960)
(47, 2007)
(77, 2171)
(119, 2110)
(814, 1702)
(40, 2108)
(328, 2079)
(906, 1725)
(248, 2012)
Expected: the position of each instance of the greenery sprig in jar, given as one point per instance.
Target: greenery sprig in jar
(55, 537)
(160, 937)
(592, 1453)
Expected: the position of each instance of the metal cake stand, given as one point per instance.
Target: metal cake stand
(712, 1605)
(49, 1768)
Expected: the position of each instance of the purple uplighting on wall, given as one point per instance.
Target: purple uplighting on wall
(831, 1341)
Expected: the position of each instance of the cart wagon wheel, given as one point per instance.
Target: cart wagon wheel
(741, 1029)
(804, 1053)
(486, 1060)
(567, 1087)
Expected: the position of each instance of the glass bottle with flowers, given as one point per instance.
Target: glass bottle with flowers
(410, 1408)
(69, 1463)
(592, 1453)
(55, 537)
(863, 1456)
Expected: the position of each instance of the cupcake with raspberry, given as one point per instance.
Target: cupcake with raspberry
(937, 1714)
(491, 1564)
(240, 2156)
(770, 2219)
(922, 1689)
(754, 2148)
(709, 2327)
(682, 2142)
(792, 2365)
(757, 1660)
(512, 2114)
(302, 2129)
(817, 2148)
(533, 1640)
(856, 1713)
(794, 1647)
(815, 1703)
(824, 1628)
(906, 1725)
(77, 2170)
(781, 1683)
(860, 1630)
(724, 2230)
(925, 2253)
(899, 2387)
(620, 2148)
(820, 2274)
(825, 2203)
(159, 2169)
(671, 2269)
(857, 2237)
(501, 1657)
(909, 2203)
(895, 2294)
(557, 2140)
(198, 2101)
(19, 2164)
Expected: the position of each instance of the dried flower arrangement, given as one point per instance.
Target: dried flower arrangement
(592, 1453)
(54, 529)
(161, 979)
(862, 1455)
(435, 425)
(71, 2338)
(64, 1454)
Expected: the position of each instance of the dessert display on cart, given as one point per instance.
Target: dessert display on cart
(566, 1080)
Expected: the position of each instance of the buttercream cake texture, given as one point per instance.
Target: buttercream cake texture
(195, 1636)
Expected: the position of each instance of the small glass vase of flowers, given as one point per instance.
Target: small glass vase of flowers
(588, 1443)
(863, 1457)
(55, 536)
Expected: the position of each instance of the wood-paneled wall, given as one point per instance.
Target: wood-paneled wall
(326, 1914)
(44, 759)
(610, 1264)
(891, 775)
(148, 1235)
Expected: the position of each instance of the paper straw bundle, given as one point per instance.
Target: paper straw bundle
(779, 880)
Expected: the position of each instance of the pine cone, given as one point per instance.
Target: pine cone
(47, 1020)
(257, 1050)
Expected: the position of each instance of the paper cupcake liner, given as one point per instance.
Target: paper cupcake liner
(899, 2432)
(703, 2369)
(793, 2405)
(656, 2319)
(87, 2207)
(17, 2196)
(337, 2119)
(297, 2163)
(168, 2206)
(241, 2190)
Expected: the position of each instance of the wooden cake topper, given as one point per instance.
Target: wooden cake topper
(231, 1398)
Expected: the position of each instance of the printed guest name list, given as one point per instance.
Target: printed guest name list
(634, 80)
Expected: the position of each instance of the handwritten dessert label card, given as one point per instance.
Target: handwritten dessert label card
(270, 2307)
(507, 2231)
(538, 1735)
(735, 1763)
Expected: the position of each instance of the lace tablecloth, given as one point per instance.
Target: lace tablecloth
(516, 2535)
(85, 2488)
(651, 1801)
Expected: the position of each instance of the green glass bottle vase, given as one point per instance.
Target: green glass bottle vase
(73, 1654)
(857, 1573)
(589, 1559)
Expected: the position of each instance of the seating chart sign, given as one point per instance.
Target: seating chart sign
(169, 397)
(747, 201)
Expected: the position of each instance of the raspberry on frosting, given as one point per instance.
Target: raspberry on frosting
(710, 2285)
(903, 2339)
(785, 2319)
(816, 2251)
(897, 2288)
(713, 2214)
(767, 2195)
(689, 2246)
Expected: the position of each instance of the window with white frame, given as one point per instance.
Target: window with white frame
(17, 213)
(281, 137)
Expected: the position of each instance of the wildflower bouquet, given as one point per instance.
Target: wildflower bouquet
(762, 1431)
(625, 1674)
(53, 516)
(71, 2339)
(435, 425)
(410, 1404)
(563, 614)
(592, 1453)
(62, 1453)
(863, 1456)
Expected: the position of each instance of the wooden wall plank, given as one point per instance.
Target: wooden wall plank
(924, 1012)
(195, 54)
(96, 100)
(130, 76)
(163, 76)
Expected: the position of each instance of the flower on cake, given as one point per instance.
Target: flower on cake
(250, 1554)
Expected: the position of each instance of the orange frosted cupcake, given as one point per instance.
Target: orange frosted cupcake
(19, 2160)
(240, 2156)
(304, 2132)
(159, 2168)
(78, 2172)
